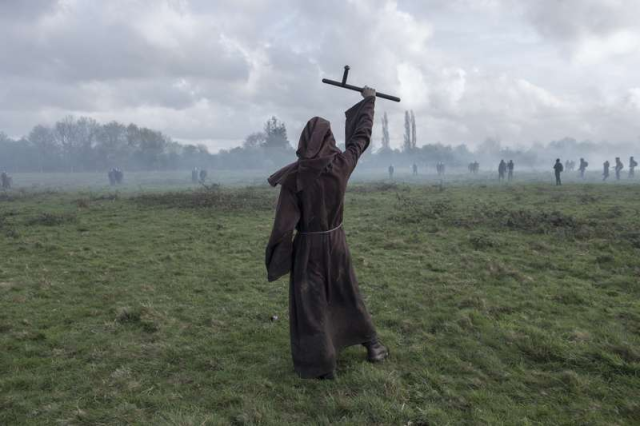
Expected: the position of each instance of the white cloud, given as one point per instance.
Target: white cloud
(215, 71)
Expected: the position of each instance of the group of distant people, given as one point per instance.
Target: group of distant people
(116, 176)
(506, 169)
(440, 169)
(619, 166)
(5, 180)
(198, 176)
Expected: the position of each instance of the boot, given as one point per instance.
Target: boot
(376, 351)
(328, 376)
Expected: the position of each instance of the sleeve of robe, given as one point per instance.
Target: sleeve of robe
(279, 253)
(358, 130)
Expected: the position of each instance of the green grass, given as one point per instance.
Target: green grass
(500, 304)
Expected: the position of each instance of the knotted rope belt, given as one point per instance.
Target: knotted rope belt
(321, 232)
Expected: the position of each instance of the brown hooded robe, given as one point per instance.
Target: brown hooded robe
(325, 307)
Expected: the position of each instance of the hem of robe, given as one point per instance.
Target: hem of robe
(321, 371)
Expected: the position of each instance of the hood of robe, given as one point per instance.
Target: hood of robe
(316, 150)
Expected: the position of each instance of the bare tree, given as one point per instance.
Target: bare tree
(276, 134)
(254, 140)
(406, 146)
(112, 144)
(385, 133)
(43, 140)
(414, 139)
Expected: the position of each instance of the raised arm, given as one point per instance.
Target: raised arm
(358, 127)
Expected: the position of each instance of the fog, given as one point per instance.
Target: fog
(85, 145)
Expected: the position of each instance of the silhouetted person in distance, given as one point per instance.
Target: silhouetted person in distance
(632, 166)
(619, 167)
(476, 167)
(502, 168)
(203, 175)
(194, 175)
(558, 168)
(583, 167)
(510, 167)
(119, 175)
(605, 174)
(391, 170)
(112, 177)
(5, 180)
(415, 169)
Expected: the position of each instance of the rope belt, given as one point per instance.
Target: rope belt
(321, 232)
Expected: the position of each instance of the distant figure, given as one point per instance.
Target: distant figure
(203, 176)
(5, 180)
(470, 167)
(583, 167)
(440, 168)
(476, 167)
(112, 177)
(510, 167)
(502, 168)
(605, 174)
(632, 165)
(194, 175)
(619, 167)
(415, 169)
(558, 169)
(119, 175)
(391, 170)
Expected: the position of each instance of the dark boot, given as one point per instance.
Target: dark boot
(376, 351)
(328, 376)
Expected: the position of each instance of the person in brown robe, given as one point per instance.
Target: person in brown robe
(326, 310)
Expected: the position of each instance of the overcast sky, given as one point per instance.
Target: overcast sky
(214, 71)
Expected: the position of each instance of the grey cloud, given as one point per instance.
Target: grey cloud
(26, 10)
(572, 19)
(201, 70)
(88, 46)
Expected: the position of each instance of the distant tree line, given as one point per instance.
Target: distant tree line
(83, 144)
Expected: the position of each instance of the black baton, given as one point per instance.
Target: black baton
(344, 85)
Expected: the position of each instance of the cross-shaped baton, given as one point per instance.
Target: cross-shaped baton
(344, 85)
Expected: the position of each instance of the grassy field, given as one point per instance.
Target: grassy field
(502, 305)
